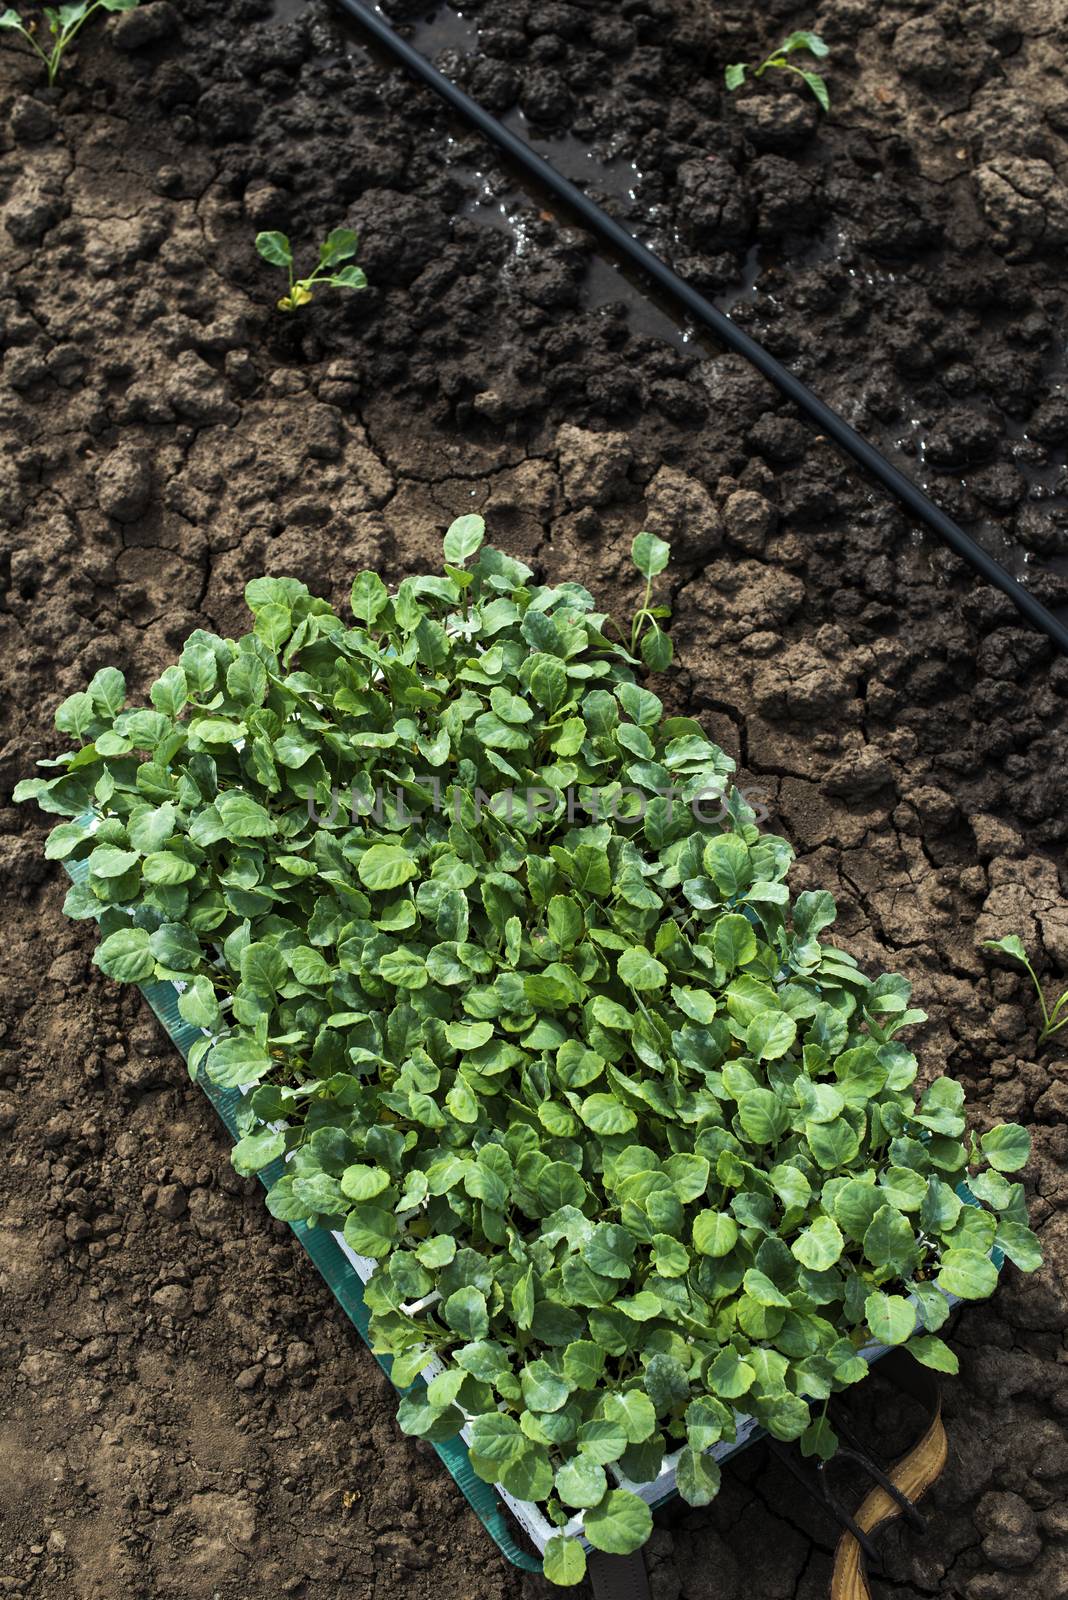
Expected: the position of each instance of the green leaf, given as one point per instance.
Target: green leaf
(657, 650)
(967, 1274)
(275, 248)
(370, 597)
(1006, 1147)
(463, 538)
(107, 688)
(890, 1242)
(339, 245)
(349, 278)
(529, 1476)
(734, 75)
(126, 956)
(370, 1231)
(733, 941)
(639, 970)
(604, 1114)
(770, 1035)
(1010, 945)
(581, 1482)
(565, 921)
(466, 1314)
(890, 1317)
(170, 692)
(496, 1437)
(818, 1246)
(650, 554)
(198, 1005)
(697, 1477)
(1020, 1245)
(360, 1182)
(564, 1562)
(634, 1412)
(730, 1376)
(715, 1233)
(643, 707)
(620, 1525)
(108, 862)
(242, 817)
(933, 1353)
(819, 89)
(256, 1151)
(803, 40)
(385, 866)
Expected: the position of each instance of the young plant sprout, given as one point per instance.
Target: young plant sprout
(1052, 1021)
(339, 245)
(735, 73)
(64, 25)
(650, 556)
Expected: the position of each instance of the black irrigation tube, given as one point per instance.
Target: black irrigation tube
(911, 496)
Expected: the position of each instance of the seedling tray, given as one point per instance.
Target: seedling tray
(345, 1274)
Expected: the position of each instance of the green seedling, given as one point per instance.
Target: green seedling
(1012, 945)
(735, 73)
(64, 25)
(650, 556)
(339, 245)
(634, 1146)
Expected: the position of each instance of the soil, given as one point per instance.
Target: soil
(186, 1414)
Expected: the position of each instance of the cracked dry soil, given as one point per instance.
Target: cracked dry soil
(186, 1415)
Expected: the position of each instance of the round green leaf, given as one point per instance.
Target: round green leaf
(967, 1274)
(126, 956)
(564, 1561)
(1007, 1147)
(385, 866)
(770, 1035)
(543, 1388)
(604, 1114)
(714, 1233)
(620, 1524)
(363, 1183)
(581, 1482)
(890, 1317)
(639, 970)
(634, 1412)
(819, 1245)
(528, 1476)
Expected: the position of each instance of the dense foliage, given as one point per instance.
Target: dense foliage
(634, 1148)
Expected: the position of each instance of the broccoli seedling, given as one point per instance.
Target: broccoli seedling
(339, 245)
(1052, 1021)
(64, 25)
(735, 73)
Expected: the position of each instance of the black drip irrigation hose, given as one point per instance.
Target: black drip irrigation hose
(911, 496)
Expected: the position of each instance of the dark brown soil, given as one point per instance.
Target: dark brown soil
(186, 1415)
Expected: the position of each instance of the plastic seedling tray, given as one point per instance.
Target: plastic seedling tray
(345, 1274)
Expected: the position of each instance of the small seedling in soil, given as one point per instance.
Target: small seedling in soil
(735, 73)
(339, 245)
(64, 25)
(1012, 945)
(650, 556)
